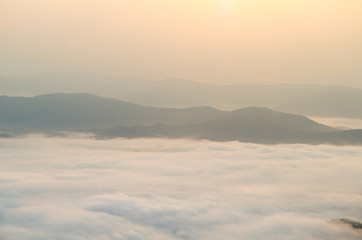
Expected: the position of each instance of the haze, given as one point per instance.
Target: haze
(215, 41)
(180, 119)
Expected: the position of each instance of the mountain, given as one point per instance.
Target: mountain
(85, 111)
(109, 118)
(349, 222)
(113, 118)
(253, 124)
(72, 82)
(307, 99)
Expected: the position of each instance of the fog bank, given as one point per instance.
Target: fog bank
(79, 188)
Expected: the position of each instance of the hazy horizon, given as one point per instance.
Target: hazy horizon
(180, 119)
(214, 41)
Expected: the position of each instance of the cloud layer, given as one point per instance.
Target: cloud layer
(81, 188)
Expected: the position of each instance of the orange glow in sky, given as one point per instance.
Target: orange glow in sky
(205, 40)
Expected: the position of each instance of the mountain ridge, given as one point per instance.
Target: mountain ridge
(309, 99)
(109, 118)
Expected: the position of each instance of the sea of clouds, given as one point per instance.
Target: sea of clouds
(80, 188)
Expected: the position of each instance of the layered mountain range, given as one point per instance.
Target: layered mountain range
(305, 99)
(108, 118)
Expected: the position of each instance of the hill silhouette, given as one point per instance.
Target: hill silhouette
(85, 111)
(305, 99)
(109, 118)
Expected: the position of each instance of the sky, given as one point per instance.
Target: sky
(81, 188)
(215, 41)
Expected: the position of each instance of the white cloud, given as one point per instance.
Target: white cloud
(79, 188)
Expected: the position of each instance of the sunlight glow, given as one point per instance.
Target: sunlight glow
(227, 5)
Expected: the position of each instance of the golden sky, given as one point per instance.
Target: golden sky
(218, 41)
